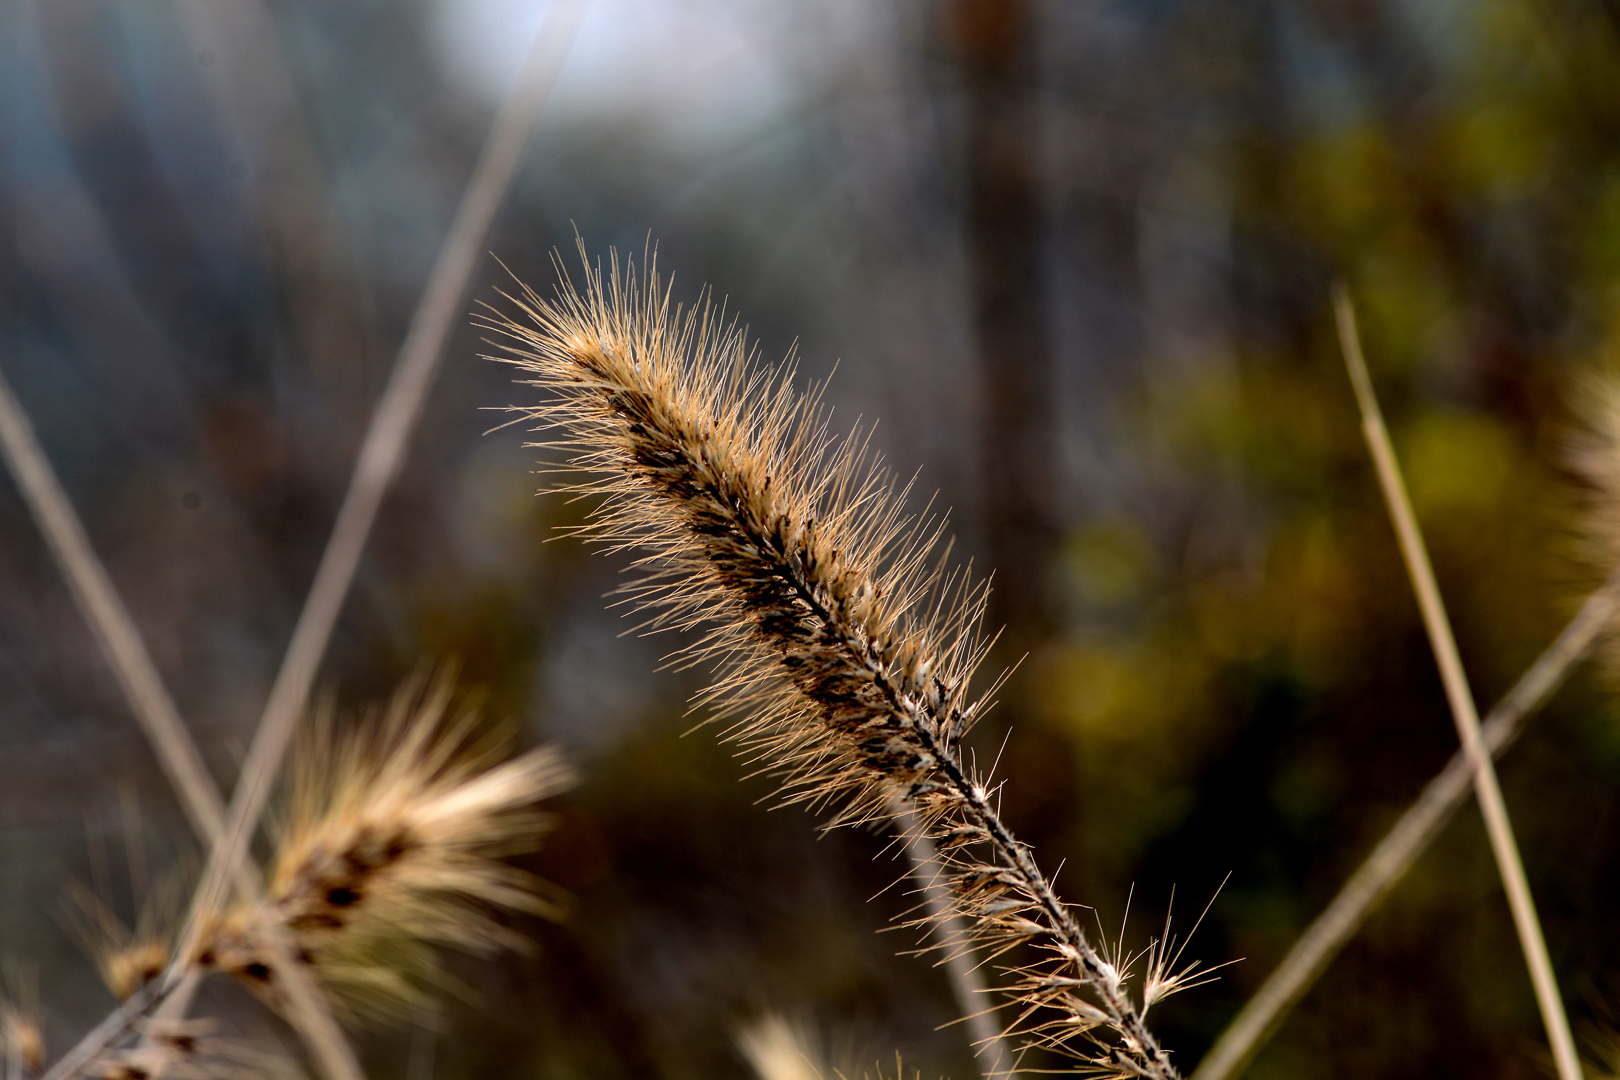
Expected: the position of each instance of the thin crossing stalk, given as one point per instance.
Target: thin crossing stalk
(1394, 855)
(150, 701)
(117, 1024)
(387, 437)
(109, 620)
(1461, 699)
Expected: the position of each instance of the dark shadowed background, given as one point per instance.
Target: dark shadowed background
(1073, 257)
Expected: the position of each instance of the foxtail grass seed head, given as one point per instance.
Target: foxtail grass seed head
(843, 640)
(391, 843)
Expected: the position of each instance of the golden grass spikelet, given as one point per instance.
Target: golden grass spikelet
(128, 969)
(391, 843)
(844, 642)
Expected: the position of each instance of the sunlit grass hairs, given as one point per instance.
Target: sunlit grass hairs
(843, 640)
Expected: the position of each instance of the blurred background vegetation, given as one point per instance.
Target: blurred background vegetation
(1075, 257)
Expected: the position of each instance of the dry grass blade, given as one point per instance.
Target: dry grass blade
(384, 444)
(844, 643)
(1461, 699)
(143, 688)
(1394, 855)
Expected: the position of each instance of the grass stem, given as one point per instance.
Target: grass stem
(383, 448)
(1394, 855)
(391, 426)
(1486, 788)
(109, 620)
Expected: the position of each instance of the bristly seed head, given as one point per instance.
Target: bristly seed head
(187, 1050)
(792, 545)
(844, 642)
(127, 959)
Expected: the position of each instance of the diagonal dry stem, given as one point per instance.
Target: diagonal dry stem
(115, 1026)
(1417, 828)
(149, 700)
(378, 462)
(108, 618)
(1491, 804)
(386, 439)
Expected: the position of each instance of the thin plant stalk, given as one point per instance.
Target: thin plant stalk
(150, 701)
(1394, 855)
(378, 462)
(1486, 788)
(386, 439)
(117, 1024)
(946, 924)
(109, 620)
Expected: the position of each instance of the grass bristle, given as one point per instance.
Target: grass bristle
(776, 1048)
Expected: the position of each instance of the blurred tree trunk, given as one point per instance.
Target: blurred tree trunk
(993, 42)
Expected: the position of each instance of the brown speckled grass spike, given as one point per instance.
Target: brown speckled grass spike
(844, 644)
(390, 844)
